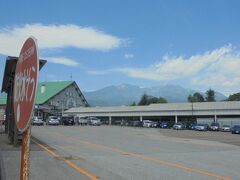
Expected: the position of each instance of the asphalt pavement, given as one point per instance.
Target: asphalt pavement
(43, 166)
(123, 153)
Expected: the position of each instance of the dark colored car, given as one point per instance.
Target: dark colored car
(236, 129)
(135, 123)
(155, 124)
(164, 125)
(192, 126)
(67, 120)
(214, 126)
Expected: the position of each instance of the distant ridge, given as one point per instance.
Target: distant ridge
(125, 94)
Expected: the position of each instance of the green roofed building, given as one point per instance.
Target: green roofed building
(54, 97)
(3, 102)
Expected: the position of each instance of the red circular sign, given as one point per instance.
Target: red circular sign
(25, 84)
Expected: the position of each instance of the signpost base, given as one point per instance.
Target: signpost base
(25, 161)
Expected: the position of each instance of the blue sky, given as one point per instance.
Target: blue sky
(194, 44)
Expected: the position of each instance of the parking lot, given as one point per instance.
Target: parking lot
(224, 137)
(114, 152)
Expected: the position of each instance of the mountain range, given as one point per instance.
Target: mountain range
(125, 94)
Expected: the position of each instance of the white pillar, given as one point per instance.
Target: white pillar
(176, 119)
(110, 120)
(141, 119)
(215, 117)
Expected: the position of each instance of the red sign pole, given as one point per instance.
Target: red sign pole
(25, 155)
(25, 85)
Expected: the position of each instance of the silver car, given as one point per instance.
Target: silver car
(225, 128)
(52, 120)
(94, 121)
(37, 121)
(179, 126)
(201, 127)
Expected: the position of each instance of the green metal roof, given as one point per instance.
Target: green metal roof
(51, 89)
(3, 100)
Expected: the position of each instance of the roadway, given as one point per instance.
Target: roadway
(123, 153)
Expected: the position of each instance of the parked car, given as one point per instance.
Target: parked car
(214, 126)
(236, 129)
(67, 120)
(225, 128)
(164, 125)
(135, 123)
(38, 121)
(179, 126)
(201, 127)
(155, 124)
(83, 121)
(147, 123)
(52, 120)
(192, 126)
(94, 121)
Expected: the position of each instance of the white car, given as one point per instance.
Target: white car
(147, 123)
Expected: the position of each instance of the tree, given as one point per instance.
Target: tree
(143, 100)
(146, 100)
(162, 100)
(210, 95)
(190, 98)
(196, 97)
(152, 100)
(133, 103)
(234, 97)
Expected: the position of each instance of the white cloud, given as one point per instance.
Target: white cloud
(217, 69)
(128, 56)
(62, 60)
(99, 72)
(56, 36)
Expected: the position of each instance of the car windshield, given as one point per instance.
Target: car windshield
(54, 118)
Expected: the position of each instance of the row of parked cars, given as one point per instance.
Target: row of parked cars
(148, 124)
(66, 120)
(214, 126)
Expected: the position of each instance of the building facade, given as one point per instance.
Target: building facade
(227, 112)
(53, 98)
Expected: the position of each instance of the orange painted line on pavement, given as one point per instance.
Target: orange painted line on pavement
(158, 161)
(69, 163)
